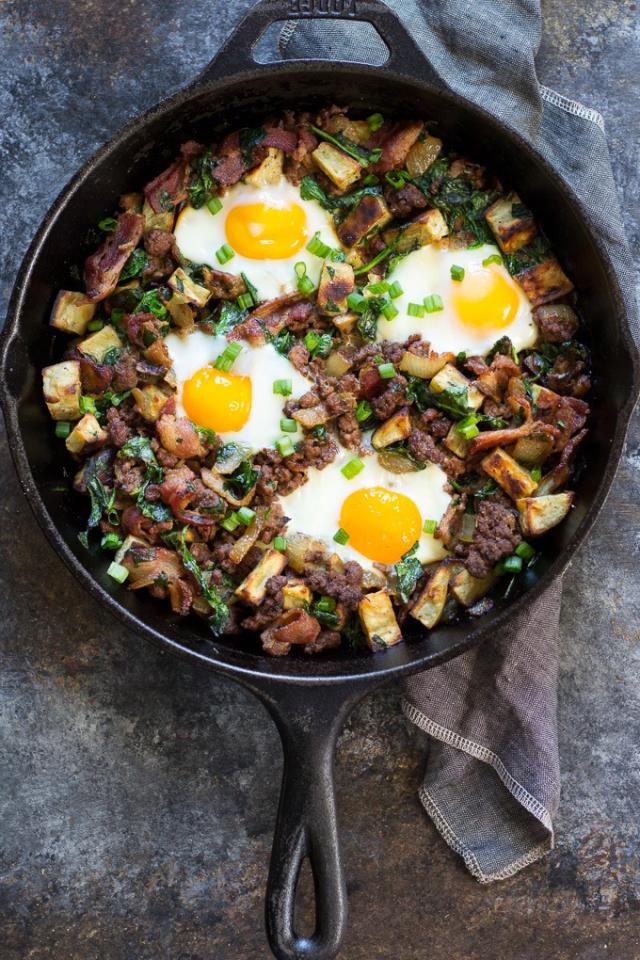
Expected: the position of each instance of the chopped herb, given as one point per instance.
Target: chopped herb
(62, 429)
(94, 325)
(283, 341)
(415, 310)
(242, 480)
(224, 254)
(287, 425)
(253, 290)
(494, 258)
(536, 474)
(214, 205)
(220, 610)
(318, 345)
(134, 266)
(375, 121)
(407, 571)
(386, 370)
(433, 303)
(430, 527)
(245, 301)
(230, 316)
(363, 411)
(88, 405)
(379, 257)
(364, 157)
(525, 551)
(397, 178)
(395, 290)
(310, 190)
(246, 515)
(317, 247)
(250, 138)
(107, 224)
(150, 302)
(111, 541)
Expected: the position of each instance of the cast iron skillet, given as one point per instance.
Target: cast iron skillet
(308, 698)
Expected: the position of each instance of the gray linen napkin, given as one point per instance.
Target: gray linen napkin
(492, 782)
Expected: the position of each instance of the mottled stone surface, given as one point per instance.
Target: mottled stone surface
(138, 793)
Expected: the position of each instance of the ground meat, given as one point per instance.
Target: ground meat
(496, 536)
(349, 431)
(556, 322)
(568, 376)
(424, 448)
(128, 475)
(159, 243)
(223, 286)
(117, 428)
(404, 200)
(125, 374)
(435, 423)
(270, 607)
(345, 587)
(394, 397)
(94, 377)
(326, 640)
(299, 357)
(274, 524)
(283, 475)
(158, 268)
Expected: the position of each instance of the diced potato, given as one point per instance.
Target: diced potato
(311, 417)
(192, 292)
(393, 430)
(513, 479)
(379, 620)
(430, 604)
(511, 232)
(467, 589)
(533, 450)
(86, 433)
(371, 213)
(425, 228)
(422, 154)
(253, 588)
(450, 378)
(101, 343)
(61, 388)
(296, 594)
(181, 309)
(357, 131)
(72, 312)
(455, 442)
(149, 401)
(345, 322)
(270, 170)
(157, 221)
(342, 169)
(539, 514)
(301, 548)
(337, 281)
(544, 282)
(424, 367)
(337, 364)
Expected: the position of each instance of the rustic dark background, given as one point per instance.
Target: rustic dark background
(138, 794)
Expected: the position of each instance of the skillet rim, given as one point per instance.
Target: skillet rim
(374, 670)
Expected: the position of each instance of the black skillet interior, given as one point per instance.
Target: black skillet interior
(144, 150)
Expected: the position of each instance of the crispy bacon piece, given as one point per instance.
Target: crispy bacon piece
(502, 438)
(397, 140)
(231, 165)
(292, 627)
(223, 286)
(286, 140)
(179, 488)
(560, 473)
(149, 565)
(270, 317)
(102, 269)
(179, 437)
(170, 187)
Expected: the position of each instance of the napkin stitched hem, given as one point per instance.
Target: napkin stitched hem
(571, 106)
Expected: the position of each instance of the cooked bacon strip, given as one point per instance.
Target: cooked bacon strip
(179, 437)
(560, 473)
(296, 626)
(286, 140)
(216, 482)
(148, 565)
(103, 268)
(272, 315)
(502, 438)
(170, 187)
(396, 144)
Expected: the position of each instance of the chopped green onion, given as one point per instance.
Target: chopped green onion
(386, 370)
(457, 273)
(374, 155)
(536, 474)
(300, 268)
(494, 258)
(395, 290)
(284, 446)
(245, 301)
(251, 288)
(306, 286)
(357, 302)
(224, 254)
(363, 411)
(95, 325)
(117, 572)
(312, 340)
(283, 387)
(390, 311)
(462, 356)
(469, 431)
(377, 289)
(397, 178)
(512, 564)
(371, 180)
(430, 526)
(228, 357)
(341, 536)
(88, 405)
(246, 515)
(525, 551)
(287, 425)
(63, 429)
(230, 522)
(379, 257)
(326, 604)
(279, 544)
(433, 303)
(352, 468)
(111, 541)
(108, 224)
(214, 205)
(375, 121)
(317, 247)
(415, 310)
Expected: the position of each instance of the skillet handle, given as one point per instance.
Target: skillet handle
(309, 719)
(236, 56)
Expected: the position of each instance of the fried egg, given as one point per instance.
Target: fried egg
(382, 512)
(267, 228)
(477, 309)
(239, 403)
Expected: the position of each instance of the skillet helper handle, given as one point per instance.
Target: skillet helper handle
(309, 720)
(236, 56)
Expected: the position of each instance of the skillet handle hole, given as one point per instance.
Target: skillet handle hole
(327, 41)
(304, 915)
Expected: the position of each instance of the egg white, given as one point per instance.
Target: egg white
(427, 271)
(314, 508)
(262, 365)
(200, 233)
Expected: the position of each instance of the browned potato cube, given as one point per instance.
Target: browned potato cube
(149, 401)
(181, 309)
(513, 479)
(270, 170)
(72, 312)
(379, 621)
(393, 430)
(345, 322)
(342, 169)
(430, 604)
(539, 514)
(101, 343)
(533, 450)
(337, 281)
(253, 588)
(86, 433)
(425, 228)
(511, 232)
(467, 589)
(544, 282)
(61, 388)
(192, 292)
(296, 594)
(450, 377)
(370, 214)
(157, 221)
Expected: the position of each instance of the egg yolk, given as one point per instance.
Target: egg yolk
(485, 299)
(382, 524)
(216, 400)
(263, 232)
